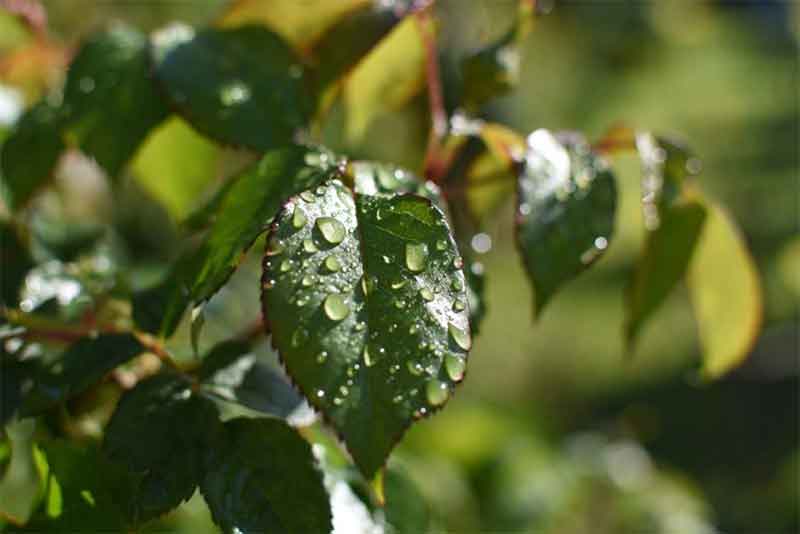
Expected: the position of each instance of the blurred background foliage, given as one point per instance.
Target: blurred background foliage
(556, 430)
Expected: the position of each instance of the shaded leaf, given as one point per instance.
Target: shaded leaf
(673, 221)
(180, 428)
(15, 261)
(241, 86)
(360, 298)
(233, 372)
(15, 378)
(567, 200)
(726, 294)
(265, 480)
(82, 364)
(110, 102)
(29, 155)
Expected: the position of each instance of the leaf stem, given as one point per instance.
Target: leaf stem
(434, 166)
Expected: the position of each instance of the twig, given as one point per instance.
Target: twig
(434, 164)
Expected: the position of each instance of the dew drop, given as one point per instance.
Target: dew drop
(285, 266)
(332, 264)
(459, 305)
(426, 294)
(268, 283)
(332, 230)
(369, 361)
(457, 284)
(458, 262)
(399, 304)
(298, 218)
(308, 197)
(412, 329)
(320, 393)
(234, 93)
(455, 367)
(335, 307)
(322, 356)
(344, 391)
(309, 246)
(360, 325)
(397, 284)
(441, 245)
(307, 281)
(415, 368)
(461, 337)
(397, 399)
(437, 392)
(337, 401)
(416, 256)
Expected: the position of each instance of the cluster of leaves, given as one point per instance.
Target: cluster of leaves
(370, 291)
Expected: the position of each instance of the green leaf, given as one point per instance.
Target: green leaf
(244, 211)
(360, 296)
(241, 86)
(265, 480)
(726, 294)
(233, 372)
(80, 486)
(161, 432)
(85, 362)
(15, 261)
(15, 379)
(565, 214)
(110, 102)
(673, 221)
(23, 479)
(36, 133)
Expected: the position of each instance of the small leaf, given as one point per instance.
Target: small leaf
(29, 155)
(161, 432)
(82, 364)
(367, 341)
(673, 220)
(241, 86)
(265, 480)
(110, 102)
(233, 372)
(726, 294)
(565, 214)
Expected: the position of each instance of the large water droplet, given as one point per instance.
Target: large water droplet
(458, 305)
(369, 361)
(332, 230)
(308, 196)
(309, 246)
(332, 264)
(298, 218)
(415, 368)
(307, 281)
(457, 284)
(426, 294)
(437, 392)
(285, 266)
(416, 256)
(335, 307)
(461, 337)
(455, 366)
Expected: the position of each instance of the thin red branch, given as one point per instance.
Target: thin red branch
(434, 159)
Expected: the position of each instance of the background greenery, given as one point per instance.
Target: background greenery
(555, 430)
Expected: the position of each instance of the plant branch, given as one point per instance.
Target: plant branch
(434, 166)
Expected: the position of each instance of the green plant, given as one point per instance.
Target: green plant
(370, 290)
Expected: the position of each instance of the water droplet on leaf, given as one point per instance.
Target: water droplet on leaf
(461, 337)
(416, 256)
(437, 392)
(455, 367)
(335, 307)
(332, 230)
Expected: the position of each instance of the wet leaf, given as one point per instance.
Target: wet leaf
(726, 294)
(29, 155)
(241, 86)
(673, 221)
(264, 480)
(110, 102)
(565, 214)
(82, 364)
(361, 301)
(180, 428)
(232, 371)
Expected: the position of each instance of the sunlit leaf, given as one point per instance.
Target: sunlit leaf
(726, 294)
(241, 86)
(361, 295)
(82, 364)
(565, 215)
(233, 372)
(110, 102)
(264, 480)
(29, 155)
(673, 221)
(161, 432)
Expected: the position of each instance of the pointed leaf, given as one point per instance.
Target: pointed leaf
(83, 363)
(36, 132)
(265, 480)
(161, 432)
(673, 220)
(567, 200)
(241, 86)
(726, 294)
(360, 298)
(110, 101)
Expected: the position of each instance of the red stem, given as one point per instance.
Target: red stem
(434, 159)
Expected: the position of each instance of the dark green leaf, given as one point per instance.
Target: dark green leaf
(15, 378)
(565, 215)
(161, 432)
(361, 295)
(29, 155)
(241, 86)
(265, 480)
(673, 220)
(79, 490)
(81, 365)
(232, 371)
(15, 261)
(406, 509)
(110, 102)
